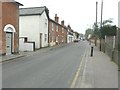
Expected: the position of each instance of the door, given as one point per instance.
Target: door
(8, 43)
(40, 40)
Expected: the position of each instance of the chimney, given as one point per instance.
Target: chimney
(56, 18)
(62, 22)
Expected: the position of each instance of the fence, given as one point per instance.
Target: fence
(107, 47)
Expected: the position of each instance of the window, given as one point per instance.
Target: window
(62, 30)
(56, 38)
(62, 39)
(52, 38)
(52, 26)
(46, 21)
(45, 37)
(56, 28)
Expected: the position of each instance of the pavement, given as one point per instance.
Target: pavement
(97, 71)
(28, 53)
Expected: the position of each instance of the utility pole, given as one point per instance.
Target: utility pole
(96, 11)
(96, 19)
(101, 23)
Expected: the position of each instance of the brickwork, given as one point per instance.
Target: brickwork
(10, 15)
(0, 28)
(59, 36)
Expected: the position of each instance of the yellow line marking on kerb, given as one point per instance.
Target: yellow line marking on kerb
(78, 71)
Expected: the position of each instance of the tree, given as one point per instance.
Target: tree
(88, 32)
(106, 29)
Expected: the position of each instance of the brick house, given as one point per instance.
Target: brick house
(9, 23)
(57, 32)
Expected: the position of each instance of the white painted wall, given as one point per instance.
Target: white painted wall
(25, 46)
(70, 38)
(32, 26)
(29, 27)
(44, 28)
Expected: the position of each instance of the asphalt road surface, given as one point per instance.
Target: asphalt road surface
(54, 68)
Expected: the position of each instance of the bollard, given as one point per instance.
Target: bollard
(91, 51)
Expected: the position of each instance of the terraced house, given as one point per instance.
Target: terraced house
(9, 27)
(57, 32)
(33, 28)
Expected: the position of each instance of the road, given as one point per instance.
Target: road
(54, 68)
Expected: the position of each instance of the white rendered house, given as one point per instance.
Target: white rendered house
(34, 25)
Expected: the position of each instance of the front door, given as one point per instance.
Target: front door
(40, 40)
(8, 43)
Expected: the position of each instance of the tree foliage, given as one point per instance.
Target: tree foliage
(108, 31)
(105, 29)
(88, 32)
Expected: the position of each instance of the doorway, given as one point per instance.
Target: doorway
(40, 40)
(9, 38)
(8, 43)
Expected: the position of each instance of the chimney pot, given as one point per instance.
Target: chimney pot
(56, 18)
(62, 22)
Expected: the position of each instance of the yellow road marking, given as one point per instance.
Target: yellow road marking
(78, 71)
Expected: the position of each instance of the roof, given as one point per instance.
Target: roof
(32, 11)
(12, 1)
(57, 23)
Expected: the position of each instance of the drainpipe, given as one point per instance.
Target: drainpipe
(48, 31)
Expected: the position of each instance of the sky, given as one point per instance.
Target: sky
(79, 14)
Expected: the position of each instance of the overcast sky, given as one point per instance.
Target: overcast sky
(80, 14)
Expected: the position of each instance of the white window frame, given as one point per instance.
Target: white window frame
(56, 28)
(62, 30)
(52, 26)
(52, 38)
(56, 38)
(45, 37)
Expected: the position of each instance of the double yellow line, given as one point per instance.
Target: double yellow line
(78, 71)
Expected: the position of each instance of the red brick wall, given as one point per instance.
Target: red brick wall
(0, 28)
(10, 15)
(61, 36)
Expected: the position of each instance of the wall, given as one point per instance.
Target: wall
(29, 27)
(44, 28)
(62, 36)
(10, 15)
(32, 26)
(0, 28)
(25, 46)
(52, 33)
(69, 38)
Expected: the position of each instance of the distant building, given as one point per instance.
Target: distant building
(9, 25)
(70, 35)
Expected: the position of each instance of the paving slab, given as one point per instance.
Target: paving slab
(99, 71)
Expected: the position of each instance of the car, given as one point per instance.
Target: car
(75, 41)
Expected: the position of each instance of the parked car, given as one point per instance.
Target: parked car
(75, 41)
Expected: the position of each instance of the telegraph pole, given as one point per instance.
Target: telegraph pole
(101, 23)
(96, 11)
(96, 19)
